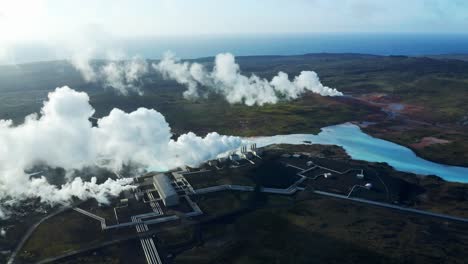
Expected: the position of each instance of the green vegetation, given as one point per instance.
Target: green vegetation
(125, 252)
(64, 233)
(434, 92)
(453, 153)
(313, 229)
(308, 228)
(222, 203)
(175, 236)
(253, 227)
(235, 176)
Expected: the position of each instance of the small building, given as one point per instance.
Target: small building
(213, 163)
(327, 175)
(368, 185)
(124, 202)
(310, 163)
(285, 155)
(360, 175)
(296, 156)
(165, 189)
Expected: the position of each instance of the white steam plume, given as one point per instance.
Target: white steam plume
(63, 137)
(119, 72)
(227, 80)
(81, 61)
(124, 76)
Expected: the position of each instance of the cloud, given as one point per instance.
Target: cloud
(61, 136)
(226, 79)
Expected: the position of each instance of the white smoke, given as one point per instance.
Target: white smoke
(81, 61)
(3, 213)
(63, 137)
(119, 72)
(124, 76)
(226, 79)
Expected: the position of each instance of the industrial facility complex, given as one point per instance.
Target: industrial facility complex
(166, 191)
(162, 198)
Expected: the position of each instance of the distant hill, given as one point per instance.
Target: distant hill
(432, 89)
(463, 57)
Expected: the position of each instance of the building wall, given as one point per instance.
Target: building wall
(165, 190)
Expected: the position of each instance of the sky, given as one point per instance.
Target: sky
(58, 22)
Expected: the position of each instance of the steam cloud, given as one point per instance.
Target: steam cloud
(227, 80)
(63, 137)
(123, 76)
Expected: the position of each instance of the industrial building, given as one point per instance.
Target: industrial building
(166, 191)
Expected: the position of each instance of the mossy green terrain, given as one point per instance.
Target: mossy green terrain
(64, 233)
(254, 227)
(308, 228)
(433, 93)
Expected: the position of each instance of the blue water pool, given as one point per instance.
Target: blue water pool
(361, 146)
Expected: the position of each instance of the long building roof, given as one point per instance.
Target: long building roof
(164, 186)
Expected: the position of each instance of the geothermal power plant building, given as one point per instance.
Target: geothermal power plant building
(165, 189)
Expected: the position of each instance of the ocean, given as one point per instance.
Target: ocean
(296, 44)
(274, 44)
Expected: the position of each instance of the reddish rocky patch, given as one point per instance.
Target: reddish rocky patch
(427, 141)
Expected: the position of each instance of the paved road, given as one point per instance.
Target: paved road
(228, 187)
(30, 231)
(294, 188)
(75, 252)
(395, 207)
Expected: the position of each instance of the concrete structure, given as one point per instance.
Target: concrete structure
(360, 175)
(243, 149)
(249, 155)
(138, 196)
(235, 157)
(213, 163)
(257, 152)
(165, 189)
